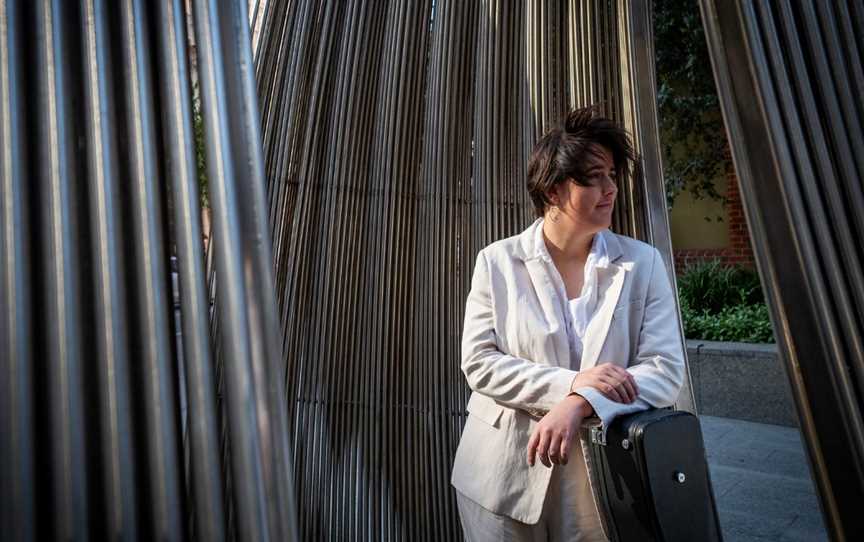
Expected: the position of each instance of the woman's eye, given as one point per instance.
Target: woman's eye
(597, 179)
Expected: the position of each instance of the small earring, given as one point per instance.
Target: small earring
(554, 214)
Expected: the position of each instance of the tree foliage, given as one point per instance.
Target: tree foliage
(691, 125)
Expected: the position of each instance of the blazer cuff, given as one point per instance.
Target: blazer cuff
(606, 409)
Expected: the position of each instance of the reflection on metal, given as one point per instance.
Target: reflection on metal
(791, 80)
(396, 136)
(98, 191)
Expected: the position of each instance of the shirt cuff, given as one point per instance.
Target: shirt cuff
(606, 409)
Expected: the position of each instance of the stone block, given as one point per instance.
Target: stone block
(742, 381)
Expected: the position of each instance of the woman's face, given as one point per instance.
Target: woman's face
(589, 208)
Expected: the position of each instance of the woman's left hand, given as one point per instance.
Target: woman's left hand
(553, 436)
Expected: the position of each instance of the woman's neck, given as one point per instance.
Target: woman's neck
(566, 243)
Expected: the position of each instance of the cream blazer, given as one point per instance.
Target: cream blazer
(515, 356)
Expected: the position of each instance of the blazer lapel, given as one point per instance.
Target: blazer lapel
(611, 280)
(552, 309)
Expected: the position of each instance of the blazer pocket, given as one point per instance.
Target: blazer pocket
(485, 409)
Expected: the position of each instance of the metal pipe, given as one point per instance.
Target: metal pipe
(150, 309)
(60, 346)
(17, 488)
(207, 487)
(109, 303)
(247, 475)
(267, 351)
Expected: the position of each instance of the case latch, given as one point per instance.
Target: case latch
(598, 435)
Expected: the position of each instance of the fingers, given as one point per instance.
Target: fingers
(619, 386)
(551, 446)
(543, 447)
(565, 450)
(538, 445)
(629, 389)
(621, 380)
(627, 376)
(608, 388)
(532, 446)
(555, 449)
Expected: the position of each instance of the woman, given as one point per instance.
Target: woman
(565, 320)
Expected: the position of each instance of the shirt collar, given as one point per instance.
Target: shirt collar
(599, 253)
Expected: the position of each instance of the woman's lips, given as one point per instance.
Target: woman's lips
(605, 205)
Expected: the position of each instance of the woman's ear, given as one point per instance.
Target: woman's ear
(556, 195)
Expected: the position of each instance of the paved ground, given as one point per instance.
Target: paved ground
(761, 481)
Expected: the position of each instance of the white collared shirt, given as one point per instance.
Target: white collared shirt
(579, 313)
(581, 309)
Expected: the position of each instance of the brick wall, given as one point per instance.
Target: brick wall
(739, 251)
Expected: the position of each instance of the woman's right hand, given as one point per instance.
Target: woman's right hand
(613, 381)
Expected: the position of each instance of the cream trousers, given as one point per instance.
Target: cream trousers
(568, 511)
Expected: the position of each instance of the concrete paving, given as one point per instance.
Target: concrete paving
(761, 482)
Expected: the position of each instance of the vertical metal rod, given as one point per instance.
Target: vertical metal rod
(16, 315)
(247, 475)
(261, 294)
(61, 361)
(207, 488)
(150, 309)
(109, 305)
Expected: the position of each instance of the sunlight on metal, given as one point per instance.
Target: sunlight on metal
(110, 422)
(396, 136)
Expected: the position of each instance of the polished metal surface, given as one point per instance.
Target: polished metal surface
(150, 299)
(99, 192)
(250, 348)
(59, 350)
(207, 487)
(791, 79)
(396, 136)
(17, 444)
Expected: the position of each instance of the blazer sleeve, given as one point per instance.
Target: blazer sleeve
(658, 364)
(512, 381)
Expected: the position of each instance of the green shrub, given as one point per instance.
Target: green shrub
(712, 286)
(740, 323)
(721, 303)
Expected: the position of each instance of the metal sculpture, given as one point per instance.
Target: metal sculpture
(395, 139)
(392, 146)
(791, 79)
(98, 405)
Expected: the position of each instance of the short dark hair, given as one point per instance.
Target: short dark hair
(561, 153)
